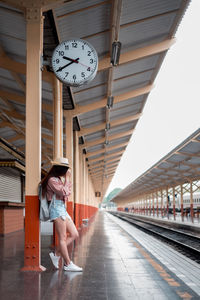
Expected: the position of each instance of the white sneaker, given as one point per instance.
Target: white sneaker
(72, 268)
(55, 259)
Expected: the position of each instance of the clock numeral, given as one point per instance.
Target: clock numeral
(74, 77)
(91, 60)
(61, 53)
(66, 74)
(88, 69)
(66, 47)
(83, 47)
(74, 45)
(83, 74)
(89, 53)
(57, 61)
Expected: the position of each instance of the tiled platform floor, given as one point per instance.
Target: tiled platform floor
(115, 266)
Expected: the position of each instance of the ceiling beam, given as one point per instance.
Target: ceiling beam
(103, 172)
(104, 157)
(85, 131)
(81, 109)
(110, 138)
(96, 167)
(107, 149)
(22, 100)
(20, 68)
(187, 154)
(115, 160)
(138, 53)
(19, 81)
(16, 138)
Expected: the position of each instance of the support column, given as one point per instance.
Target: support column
(34, 36)
(161, 203)
(57, 119)
(174, 204)
(84, 186)
(191, 203)
(69, 155)
(182, 212)
(57, 130)
(157, 203)
(153, 204)
(81, 187)
(77, 185)
(145, 204)
(150, 204)
(86, 191)
(167, 196)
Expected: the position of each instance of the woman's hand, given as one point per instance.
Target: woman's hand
(68, 182)
(68, 175)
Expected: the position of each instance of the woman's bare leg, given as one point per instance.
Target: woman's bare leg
(72, 230)
(61, 229)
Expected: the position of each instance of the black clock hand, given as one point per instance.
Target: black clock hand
(74, 61)
(71, 59)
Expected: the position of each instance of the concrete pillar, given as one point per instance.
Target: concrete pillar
(174, 204)
(191, 203)
(182, 212)
(34, 36)
(57, 119)
(84, 187)
(153, 204)
(150, 204)
(77, 183)
(57, 131)
(161, 203)
(167, 202)
(69, 155)
(157, 204)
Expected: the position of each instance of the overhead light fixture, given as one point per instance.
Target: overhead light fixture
(106, 143)
(110, 101)
(107, 126)
(116, 48)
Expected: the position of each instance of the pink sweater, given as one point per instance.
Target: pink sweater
(62, 191)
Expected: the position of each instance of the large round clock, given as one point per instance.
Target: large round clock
(75, 62)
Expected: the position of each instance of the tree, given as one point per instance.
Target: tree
(111, 195)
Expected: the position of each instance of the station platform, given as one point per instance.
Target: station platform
(119, 262)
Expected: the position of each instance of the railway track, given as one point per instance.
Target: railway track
(186, 243)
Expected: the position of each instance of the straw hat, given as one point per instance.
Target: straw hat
(60, 161)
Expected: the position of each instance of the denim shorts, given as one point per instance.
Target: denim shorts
(57, 209)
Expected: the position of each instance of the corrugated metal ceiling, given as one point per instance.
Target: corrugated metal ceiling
(140, 25)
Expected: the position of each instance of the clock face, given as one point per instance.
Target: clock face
(75, 62)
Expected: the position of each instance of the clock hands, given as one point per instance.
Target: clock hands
(75, 60)
(72, 61)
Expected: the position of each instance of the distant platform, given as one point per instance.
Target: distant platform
(187, 223)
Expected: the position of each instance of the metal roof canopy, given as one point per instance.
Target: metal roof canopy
(146, 29)
(179, 166)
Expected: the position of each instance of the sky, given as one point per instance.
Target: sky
(172, 110)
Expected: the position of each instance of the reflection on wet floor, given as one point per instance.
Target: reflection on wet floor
(114, 267)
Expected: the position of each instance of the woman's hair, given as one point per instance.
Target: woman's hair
(55, 171)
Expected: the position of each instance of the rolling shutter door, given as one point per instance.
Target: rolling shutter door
(10, 185)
